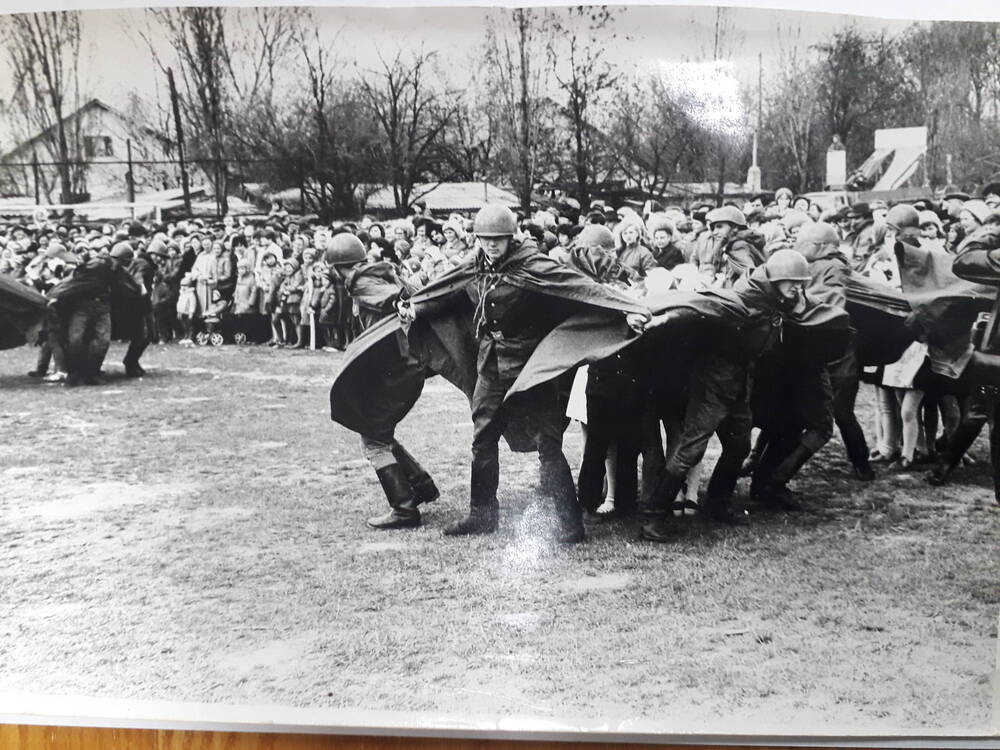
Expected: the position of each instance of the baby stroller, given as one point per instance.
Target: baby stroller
(218, 323)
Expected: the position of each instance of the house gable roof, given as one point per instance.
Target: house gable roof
(92, 104)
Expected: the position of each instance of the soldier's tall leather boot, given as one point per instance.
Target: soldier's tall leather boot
(660, 525)
(484, 510)
(423, 486)
(775, 492)
(404, 513)
(557, 483)
(718, 497)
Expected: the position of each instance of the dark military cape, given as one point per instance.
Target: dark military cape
(22, 313)
(712, 319)
(445, 343)
(101, 277)
(944, 306)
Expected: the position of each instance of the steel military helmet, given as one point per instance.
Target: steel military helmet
(819, 233)
(494, 221)
(903, 216)
(787, 265)
(595, 235)
(728, 215)
(344, 249)
(122, 251)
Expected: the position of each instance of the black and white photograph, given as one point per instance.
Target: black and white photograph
(596, 371)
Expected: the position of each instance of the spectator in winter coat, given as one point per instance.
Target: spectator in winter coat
(631, 253)
(245, 295)
(288, 300)
(665, 252)
(187, 308)
(223, 270)
(455, 246)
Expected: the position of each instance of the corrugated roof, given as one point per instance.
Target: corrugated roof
(447, 196)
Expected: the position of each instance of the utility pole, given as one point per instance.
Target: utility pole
(129, 176)
(175, 103)
(754, 174)
(34, 174)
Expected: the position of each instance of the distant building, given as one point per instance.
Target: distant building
(98, 138)
(444, 198)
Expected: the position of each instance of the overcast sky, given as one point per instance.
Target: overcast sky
(117, 62)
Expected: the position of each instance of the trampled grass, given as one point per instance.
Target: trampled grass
(199, 536)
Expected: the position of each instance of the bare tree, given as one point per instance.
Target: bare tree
(793, 112)
(338, 144)
(43, 52)
(411, 113)
(517, 41)
(227, 58)
(585, 78)
(470, 143)
(652, 135)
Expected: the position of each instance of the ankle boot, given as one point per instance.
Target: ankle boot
(404, 513)
(720, 510)
(484, 510)
(479, 521)
(660, 525)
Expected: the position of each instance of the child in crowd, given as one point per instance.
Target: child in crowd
(187, 306)
(288, 300)
(268, 279)
(245, 304)
(325, 312)
(217, 309)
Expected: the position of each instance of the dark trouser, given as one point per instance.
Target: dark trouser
(717, 404)
(845, 381)
(982, 407)
(141, 332)
(805, 424)
(52, 345)
(329, 335)
(609, 423)
(88, 336)
(165, 318)
(653, 458)
(539, 414)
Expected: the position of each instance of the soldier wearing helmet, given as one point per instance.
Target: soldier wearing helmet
(737, 249)
(518, 296)
(342, 253)
(135, 316)
(84, 306)
(978, 260)
(745, 323)
(370, 291)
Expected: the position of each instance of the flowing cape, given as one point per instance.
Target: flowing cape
(719, 319)
(22, 313)
(442, 338)
(879, 314)
(378, 383)
(944, 306)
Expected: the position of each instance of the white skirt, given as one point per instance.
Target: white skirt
(900, 373)
(577, 406)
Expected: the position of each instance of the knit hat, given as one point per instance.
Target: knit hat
(979, 210)
(929, 217)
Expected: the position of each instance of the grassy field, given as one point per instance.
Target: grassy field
(198, 535)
